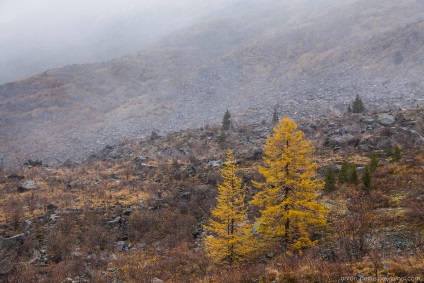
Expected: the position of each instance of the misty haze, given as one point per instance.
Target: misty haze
(50, 34)
(211, 141)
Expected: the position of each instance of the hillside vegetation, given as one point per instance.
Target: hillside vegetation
(136, 211)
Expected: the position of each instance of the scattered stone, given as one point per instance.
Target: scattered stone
(77, 183)
(157, 280)
(140, 204)
(215, 163)
(51, 206)
(114, 177)
(155, 136)
(16, 176)
(191, 171)
(28, 224)
(117, 220)
(33, 163)
(186, 196)
(386, 119)
(121, 245)
(68, 163)
(11, 243)
(27, 186)
(367, 119)
(127, 212)
(53, 217)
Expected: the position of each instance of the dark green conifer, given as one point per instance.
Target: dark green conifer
(222, 138)
(330, 180)
(343, 173)
(366, 178)
(275, 118)
(374, 161)
(358, 105)
(226, 122)
(353, 175)
(396, 154)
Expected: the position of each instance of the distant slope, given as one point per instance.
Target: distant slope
(303, 59)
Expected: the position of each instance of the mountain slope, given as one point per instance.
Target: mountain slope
(305, 59)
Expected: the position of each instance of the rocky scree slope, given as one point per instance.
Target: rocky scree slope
(249, 59)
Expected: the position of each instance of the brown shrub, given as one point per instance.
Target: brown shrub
(166, 226)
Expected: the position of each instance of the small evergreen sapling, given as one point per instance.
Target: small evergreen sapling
(366, 178)
(226, 121)
(353, 175)
(330, 180)
(343, 175)
(358, 105)
(396, 154)
(374, 161)
(275, 118)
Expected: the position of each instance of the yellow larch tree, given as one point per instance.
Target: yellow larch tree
(287, 199)
(229, 230)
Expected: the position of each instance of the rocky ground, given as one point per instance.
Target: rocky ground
(147, 200)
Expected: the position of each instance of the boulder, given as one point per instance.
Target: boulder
(16, 176)
(121, 245)
(367, 119)
(12, 243)
(27, 186)
(215, 163)
(33, 163)
(386, 119)
(68, 163)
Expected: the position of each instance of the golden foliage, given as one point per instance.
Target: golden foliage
(288, 198)
(229, 228)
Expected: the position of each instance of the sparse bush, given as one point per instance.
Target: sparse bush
(167, 226)
(14, 212)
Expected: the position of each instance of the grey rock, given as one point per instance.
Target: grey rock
(215, 163)
(53, 217)
(79, 182)
(6, 267)
(140, 204)
(157, 280)
(121, 245)
(186, 196)
(117, 220)
(16, 176)
(386, 119)
(36, 256)
(127, 212)
(11, 243)
(367, 119)
(27, 186)
(33, 163)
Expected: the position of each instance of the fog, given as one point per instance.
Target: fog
(37, 35)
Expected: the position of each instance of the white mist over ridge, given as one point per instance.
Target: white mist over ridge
(38, 35)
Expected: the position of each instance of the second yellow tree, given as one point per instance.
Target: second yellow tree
(229, 230)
